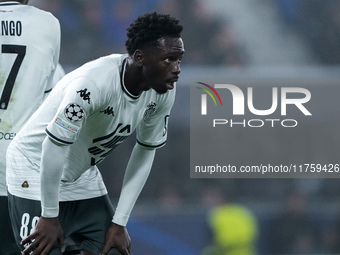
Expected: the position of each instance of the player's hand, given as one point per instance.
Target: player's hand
(117, 237)
(47, 232)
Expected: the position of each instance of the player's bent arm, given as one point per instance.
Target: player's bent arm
(136, 174)
(52, 158)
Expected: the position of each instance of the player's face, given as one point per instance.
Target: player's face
(161, 64)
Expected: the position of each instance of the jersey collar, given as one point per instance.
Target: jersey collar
(122, 74)
(9, 3)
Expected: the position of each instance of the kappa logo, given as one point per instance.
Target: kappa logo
(108, 111)
(84, 95)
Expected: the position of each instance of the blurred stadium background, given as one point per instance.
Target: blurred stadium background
(239, 38)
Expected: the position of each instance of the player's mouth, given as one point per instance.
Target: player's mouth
(170, 84)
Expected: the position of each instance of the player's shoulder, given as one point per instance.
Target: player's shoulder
(44, 15)
(104, 68)
(113, 61)
(37, 16)
(103, 73)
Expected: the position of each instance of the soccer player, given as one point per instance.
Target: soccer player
(89, 112)
(29, 53)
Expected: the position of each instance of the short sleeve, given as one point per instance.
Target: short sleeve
(80, 99)
(152, 131)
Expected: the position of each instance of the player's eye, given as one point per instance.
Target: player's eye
(173, 59)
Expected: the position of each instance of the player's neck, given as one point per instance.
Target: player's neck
(133, 78)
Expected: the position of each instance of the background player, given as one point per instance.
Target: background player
(89, 112)
(29, 53)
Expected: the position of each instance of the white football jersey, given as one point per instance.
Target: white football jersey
(29, 53)
(58, 75)
(91, 111)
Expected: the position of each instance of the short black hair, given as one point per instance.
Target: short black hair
(149, 28)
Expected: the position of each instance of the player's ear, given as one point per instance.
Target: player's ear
(138, 57)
